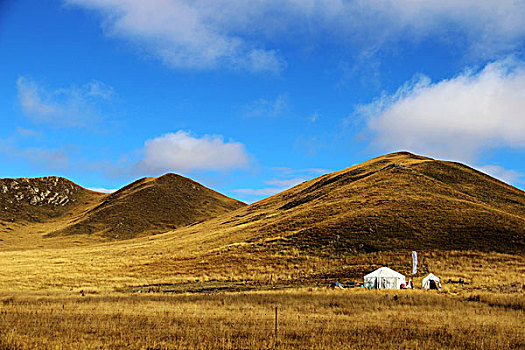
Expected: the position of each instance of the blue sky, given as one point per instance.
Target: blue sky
(251, 98)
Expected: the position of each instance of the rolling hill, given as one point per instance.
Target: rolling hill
(151, 205)
(54, 206)
(468, 229)
(398, 201)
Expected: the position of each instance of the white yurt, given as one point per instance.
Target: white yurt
(431, 282)
(384, 278)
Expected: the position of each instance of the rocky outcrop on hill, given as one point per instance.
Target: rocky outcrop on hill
(49, 190)
(40, 198)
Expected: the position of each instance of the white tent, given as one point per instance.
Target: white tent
(431, 282)
(384, 278)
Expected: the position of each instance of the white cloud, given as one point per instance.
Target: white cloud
(505, 175)
(313, 118)
(308, 172)
(456, 118)
(66, 107)
(188, 34)
(97, 88)
(102, 190)
(28, 133)
(287, 183)
(183, 152)
(277, 185)
(245, 35)
(31, 101)
(486, 26)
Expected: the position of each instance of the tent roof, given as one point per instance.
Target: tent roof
(384, 272)
(431, 276)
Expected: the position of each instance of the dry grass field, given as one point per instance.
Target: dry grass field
(146, 296)
(307, 319)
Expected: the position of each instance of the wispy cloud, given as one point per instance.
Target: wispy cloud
(285, 171)
(313, 118)
(265, 192)
(38, 157)
(246, 35)
(506, 175)
(76, 106)
(183, 152)
(286, 183)
(456, 118)
(267, 107)
(485, 27)
(283, 179)
(276, 186)
(28, 133)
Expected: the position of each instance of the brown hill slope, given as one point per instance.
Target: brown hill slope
(151, 205)
(392, 202)
(56, 207)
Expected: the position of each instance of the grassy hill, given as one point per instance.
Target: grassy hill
(30, 208)
(152, 205)
(52, 207)
(399, 201)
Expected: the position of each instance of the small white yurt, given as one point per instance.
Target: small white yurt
(431, 282)
(384, 278)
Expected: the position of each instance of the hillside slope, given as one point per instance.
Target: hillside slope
(151, 205)
(46, 207)
(398, 201)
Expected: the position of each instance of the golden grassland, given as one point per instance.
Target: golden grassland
(162, 294)
(308, 318)
(163, 259)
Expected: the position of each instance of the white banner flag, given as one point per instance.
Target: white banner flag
(414, 262)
